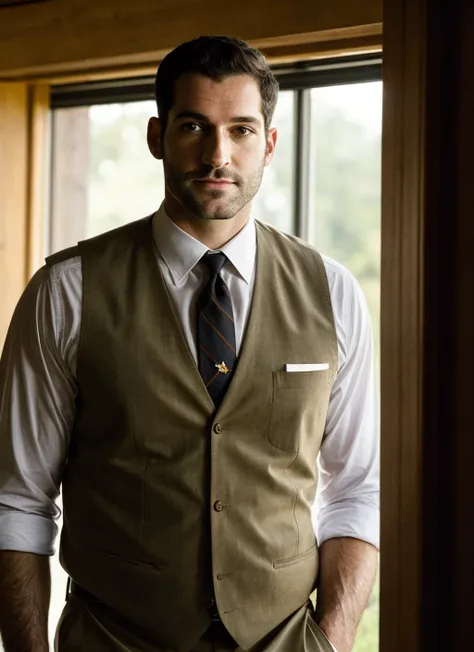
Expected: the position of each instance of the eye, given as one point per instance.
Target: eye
(191, 127)
(243, 131)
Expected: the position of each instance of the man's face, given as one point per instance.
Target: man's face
(215, 147)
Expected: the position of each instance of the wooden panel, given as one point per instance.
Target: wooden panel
(287, 54)
(82, 34)
(15, 3)
(38, 173)
(427, 561)
(403, 162)
(13, 166)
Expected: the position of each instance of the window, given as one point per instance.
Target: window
(324, 184)
(345, 182)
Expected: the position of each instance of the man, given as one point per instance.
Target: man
(187, 378)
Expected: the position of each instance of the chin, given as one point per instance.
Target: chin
(215, 215)
(208, 212)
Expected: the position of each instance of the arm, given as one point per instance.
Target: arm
(25, 585)
(36, 413)
(348, 500)
(347, 574)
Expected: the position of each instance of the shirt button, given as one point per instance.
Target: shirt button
(217, 428)
(218, 505)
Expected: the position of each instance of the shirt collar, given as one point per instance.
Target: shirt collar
(181, 252)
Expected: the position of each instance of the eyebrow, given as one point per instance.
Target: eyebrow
(202, 118)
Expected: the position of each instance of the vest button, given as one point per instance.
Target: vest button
(218, 505)
(217, 428)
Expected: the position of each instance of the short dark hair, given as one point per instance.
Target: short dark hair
(216, 57)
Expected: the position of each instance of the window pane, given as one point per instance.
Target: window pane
(345, 215)
(346, 182)
(125, 181)
(274, 201)
(103, 172)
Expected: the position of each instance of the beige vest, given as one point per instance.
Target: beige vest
(167, 502)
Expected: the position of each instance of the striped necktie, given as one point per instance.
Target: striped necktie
(215, 331)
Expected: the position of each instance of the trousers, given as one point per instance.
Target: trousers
(79, 630)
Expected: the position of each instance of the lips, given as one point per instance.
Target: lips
(216, 185)
(215, 182)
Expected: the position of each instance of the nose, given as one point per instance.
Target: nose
(216, 150)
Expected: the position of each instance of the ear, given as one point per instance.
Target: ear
(272, 137)
(154, 134)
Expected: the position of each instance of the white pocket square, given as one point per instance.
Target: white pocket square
(323, 366)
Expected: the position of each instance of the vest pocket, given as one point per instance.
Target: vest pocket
(290, 561)
(129, 560)
(299, 400)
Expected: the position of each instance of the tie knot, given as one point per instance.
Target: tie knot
(214, 262)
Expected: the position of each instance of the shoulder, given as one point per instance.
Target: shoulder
(63, 295)
(343, 285)
(291, 242)
(293, 252)
(122, 238)
(49, 310)
(71, 257)
(47, 307)
(341, 281)
(42, 288)
(63, 272)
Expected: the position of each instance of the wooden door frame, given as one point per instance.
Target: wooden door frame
(402, 322)
(427, 511)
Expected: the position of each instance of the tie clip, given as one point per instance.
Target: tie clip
(222, 368)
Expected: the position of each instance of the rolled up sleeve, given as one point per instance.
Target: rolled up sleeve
(37, 396)
(348, 503)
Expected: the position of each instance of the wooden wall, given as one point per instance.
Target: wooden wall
(13, 197)
(76, 35)
(23, 186)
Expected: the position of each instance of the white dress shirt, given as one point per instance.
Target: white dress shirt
(38, 389)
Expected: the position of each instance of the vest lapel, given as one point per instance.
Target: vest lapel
(164, 301)
(248, 359)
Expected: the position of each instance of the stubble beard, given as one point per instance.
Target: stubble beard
(182, 187)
